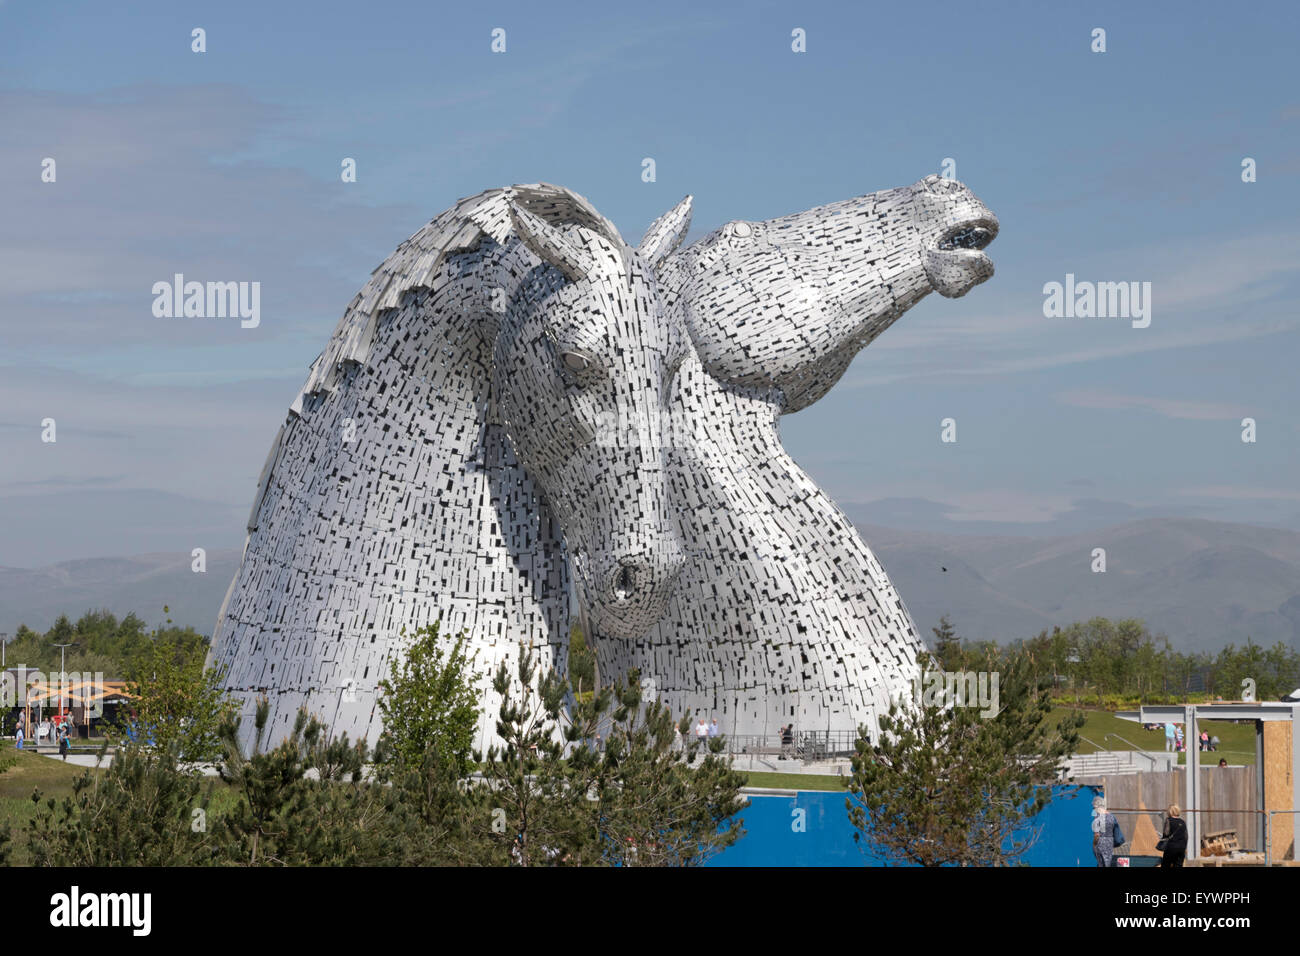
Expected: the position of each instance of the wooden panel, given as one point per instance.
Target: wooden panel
(1228, 795)
(1278, 786)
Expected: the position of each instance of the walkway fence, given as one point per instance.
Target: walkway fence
(805, 745)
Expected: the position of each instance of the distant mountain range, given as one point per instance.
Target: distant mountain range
(1203, 583)
(143, 584)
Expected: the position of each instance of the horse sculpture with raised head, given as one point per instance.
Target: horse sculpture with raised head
(519, 407)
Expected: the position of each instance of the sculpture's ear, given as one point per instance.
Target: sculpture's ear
(550, 244)
(666, 233)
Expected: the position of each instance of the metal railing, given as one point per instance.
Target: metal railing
(1136, 749)
(805, 745)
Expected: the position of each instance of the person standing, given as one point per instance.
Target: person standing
(1169, 736)
(1174, 840)
(787, 741)
(713, 728)
(19, 733)
(1106, 834)
(701, 732)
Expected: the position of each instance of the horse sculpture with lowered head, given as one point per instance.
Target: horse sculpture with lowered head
(519, 407)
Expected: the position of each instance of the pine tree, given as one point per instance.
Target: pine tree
(142, 811)
(602, 783)
(652, 807)
(525, 808)
(288, 816)
(947, 645)
(945, 784)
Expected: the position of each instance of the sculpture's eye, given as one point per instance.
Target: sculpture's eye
(580, 366)
(740, 230)
(575, 361)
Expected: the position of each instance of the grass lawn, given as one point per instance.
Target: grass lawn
(797, 781)
(54, 779)
(1105, 730)
(51, 775)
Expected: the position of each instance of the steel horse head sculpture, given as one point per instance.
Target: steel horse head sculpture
(521, 418)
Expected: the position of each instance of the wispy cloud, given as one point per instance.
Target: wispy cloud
(1240, 493)
(144, 192)
(1168, 407)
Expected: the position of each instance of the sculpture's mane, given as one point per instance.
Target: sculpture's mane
(416, 264)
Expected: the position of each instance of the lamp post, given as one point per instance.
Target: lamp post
(63, 674)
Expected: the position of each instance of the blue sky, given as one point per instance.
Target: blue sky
(1115, 166)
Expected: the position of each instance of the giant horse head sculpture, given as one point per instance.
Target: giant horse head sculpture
(782, 611)
(450, 459)
(460, 453)
(788, 302)
(586, 343)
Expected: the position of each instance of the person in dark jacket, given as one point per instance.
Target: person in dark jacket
(1174, 838)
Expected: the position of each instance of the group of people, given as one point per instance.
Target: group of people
(704, 731)
(1107, 835)
(1174, 738)
(62, 733)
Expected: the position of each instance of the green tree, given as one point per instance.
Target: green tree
(947, 645)
(302, 803)
(601, 784)
(142, 811)
(524, 809)
(652, 807)
(429, 820)
(942, 784)
(429, 703)
(104, 644)
(180, 704)
(582, 664)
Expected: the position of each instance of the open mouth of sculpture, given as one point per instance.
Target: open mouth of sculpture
(974, 234)
(957, 262)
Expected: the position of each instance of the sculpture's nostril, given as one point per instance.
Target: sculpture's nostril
(624, 583)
